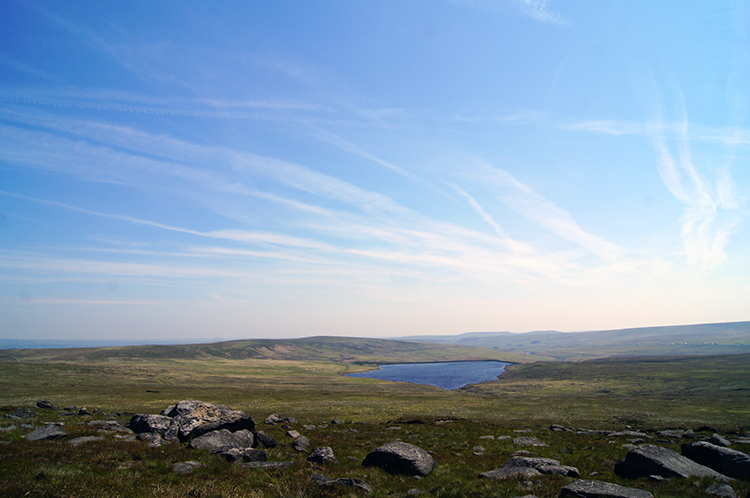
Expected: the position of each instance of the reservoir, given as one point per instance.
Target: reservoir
(446, 375)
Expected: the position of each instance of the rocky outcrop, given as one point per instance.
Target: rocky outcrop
(583, 488)
(400, 458)
(724, 460)
(46, 433)
(647, 460)
(189, 419)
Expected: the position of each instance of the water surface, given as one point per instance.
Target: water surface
(446, 375)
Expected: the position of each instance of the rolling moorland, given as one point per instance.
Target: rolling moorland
(305, 379)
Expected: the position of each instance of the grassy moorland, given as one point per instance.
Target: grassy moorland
(306, 379)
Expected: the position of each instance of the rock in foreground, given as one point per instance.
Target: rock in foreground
(400, 458)
(583, 488)
(648, 459)
(727, 461)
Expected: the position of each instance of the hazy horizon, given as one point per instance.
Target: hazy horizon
(177, 170)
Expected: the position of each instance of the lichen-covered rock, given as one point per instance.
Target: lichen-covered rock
(195, 418)
(400, 458)
(46, 433)
(649, 459)
(301, 444)
(721, 490)
(724, 460)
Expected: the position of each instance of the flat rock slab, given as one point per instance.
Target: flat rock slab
(727, 461)
(649, 459)
(546, 466)
(583, 488)
(187, 467)
(325, 482)
(528, 441)
(400, 458)
(323, 454)
(85, 439)
(46, 433)
(241, 455)
(267, 465)
(508, 472)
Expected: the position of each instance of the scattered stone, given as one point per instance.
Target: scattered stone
(301, 444)
(393, 428)
(46, 433)
(336, 422)
(323, 454)
(508, 472)
(223, 439)
(267, 465)
(85, 439)
(21, 413)
(309, 427)
(103, 423)
(719, 441)
(187, 467)
(241, 454)
(724, 460)
(478, 450)
(274, 418)
(264, 440)
(8, 429)
(582, 488)
(83, 411)
(649, 460)
(656, 478)
(561, 428)
(676, 433)
(721, 490)
(415, 491)
(546, 466)
(153, 439)
(46, 405)
(293, 434)
(325, 482)
(400, 458)
(689, 434)
(528, 441)
(28, 426)
(503, 438)
(491, 438)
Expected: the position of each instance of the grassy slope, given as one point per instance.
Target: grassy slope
(708, 339)
(642, 392)
(339, 349)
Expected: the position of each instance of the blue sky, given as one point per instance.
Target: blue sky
(180, 170)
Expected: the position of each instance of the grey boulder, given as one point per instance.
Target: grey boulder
(325, 482)
(46, 433)
(400, 458)
(241, 454)
(508, 472)
(583, 488)
(721, 490)
(264, 440)
(301, 443)
(546, 466)
(46, 405)
(147, 422)
(727, 461)
(647, 460)
(223, 438)
(323, 454)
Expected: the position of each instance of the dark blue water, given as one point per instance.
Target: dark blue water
(447, 375)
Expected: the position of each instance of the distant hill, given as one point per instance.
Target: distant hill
(337, 349)
(703, 339)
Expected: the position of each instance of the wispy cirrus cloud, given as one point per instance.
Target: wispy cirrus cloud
(710, 208)
(536, 9)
